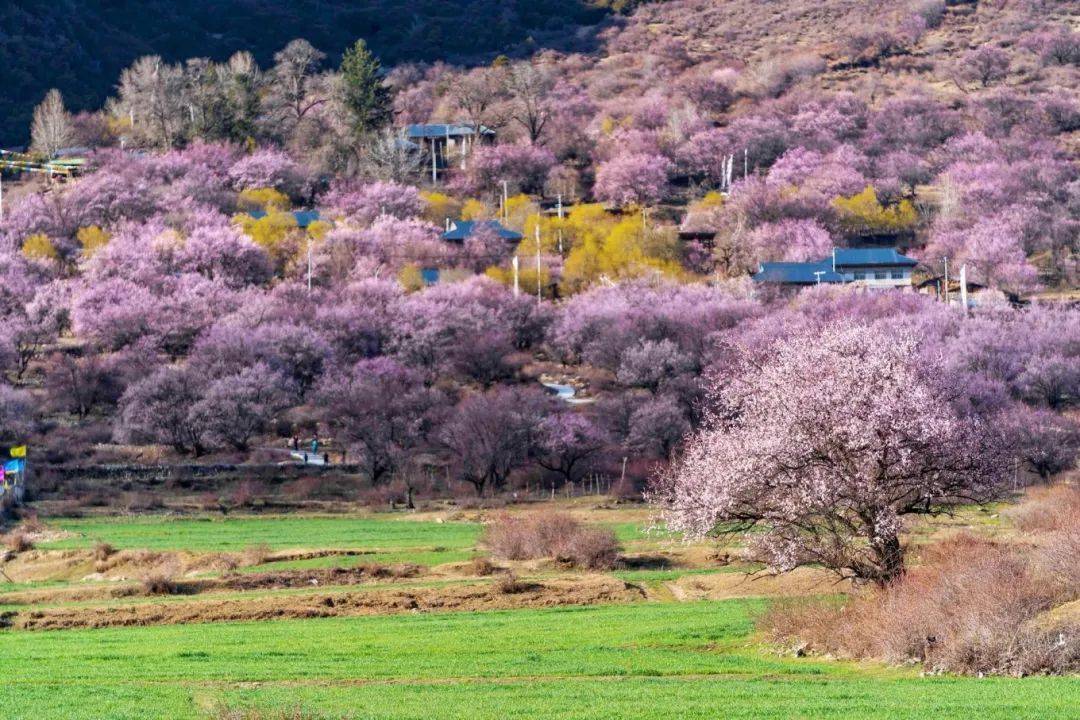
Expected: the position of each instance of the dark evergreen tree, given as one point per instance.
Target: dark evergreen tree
(364, 94)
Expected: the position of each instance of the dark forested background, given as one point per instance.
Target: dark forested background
(81, 46)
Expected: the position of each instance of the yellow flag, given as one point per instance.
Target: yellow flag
(18, 451)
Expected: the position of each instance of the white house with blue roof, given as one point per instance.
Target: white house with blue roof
(873, 268)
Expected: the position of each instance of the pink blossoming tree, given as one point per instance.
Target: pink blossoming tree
(637, 179)
(825, 447)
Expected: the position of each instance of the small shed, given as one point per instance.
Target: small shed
(303, 218)
(445, 143)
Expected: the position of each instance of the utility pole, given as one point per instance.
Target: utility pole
(539, 296)
(517, 286)
(309, 263)
(434, 167)
(963, 287)
(946, 280)
(745, 163)
(559, 206)
(506, 200)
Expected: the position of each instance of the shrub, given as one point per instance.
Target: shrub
(1060, 556)
(159, 582)
(1049, 509)
(551, 534)
(974, 606)
(305, 488)
(18, 542)
(482, 566)
(256, 554)
(103, 551)
(244, 494)
(509, 584)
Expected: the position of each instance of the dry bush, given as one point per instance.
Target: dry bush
(245, 494)
(509, 584)
(482, 567)
(18, 541)
(775, 75)
(159, 582)
(551, 534)
(227, 563)
(162, 577)
(255, 554)
(305, 488)
(143, 502)
(31, 524)
(1059, 557)
(103, 551)
(1048, 508)
(971, 607)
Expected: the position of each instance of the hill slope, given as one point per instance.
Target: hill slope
(81, 47)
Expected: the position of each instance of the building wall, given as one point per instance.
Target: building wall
(878, 278)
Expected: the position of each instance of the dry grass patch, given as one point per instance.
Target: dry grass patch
(1048, 509)
(972, 606)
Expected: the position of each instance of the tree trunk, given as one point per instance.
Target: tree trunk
(890, 557)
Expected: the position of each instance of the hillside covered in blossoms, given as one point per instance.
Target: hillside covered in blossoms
(589, 358)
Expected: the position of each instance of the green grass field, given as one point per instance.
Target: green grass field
(216, 534)
(647, 660)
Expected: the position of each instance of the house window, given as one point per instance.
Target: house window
(860, 276)
(897, 275)
(880, 275)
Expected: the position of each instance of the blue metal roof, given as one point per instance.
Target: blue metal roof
(440, 130)
(798, 273)
(871, 257)
(303, 217)
(803, 273)
(464, 228)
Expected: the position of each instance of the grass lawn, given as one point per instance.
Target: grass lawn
(647, 660)
(218, 534)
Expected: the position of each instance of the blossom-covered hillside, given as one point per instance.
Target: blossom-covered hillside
(397, 255)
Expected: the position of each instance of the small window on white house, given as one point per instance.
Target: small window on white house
(898, 275)
(880, 275)
(860, 276)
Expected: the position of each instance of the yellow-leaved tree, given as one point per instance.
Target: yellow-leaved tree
(476, 210)
(439, 206)
(630, 249)
(91, 239)
(275, 232)
(864, 214)
(267, 199)
(40, 247)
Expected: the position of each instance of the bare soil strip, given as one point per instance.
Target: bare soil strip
(280, 580)
(588, 590)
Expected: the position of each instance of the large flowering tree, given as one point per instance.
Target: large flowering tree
(824, 446)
